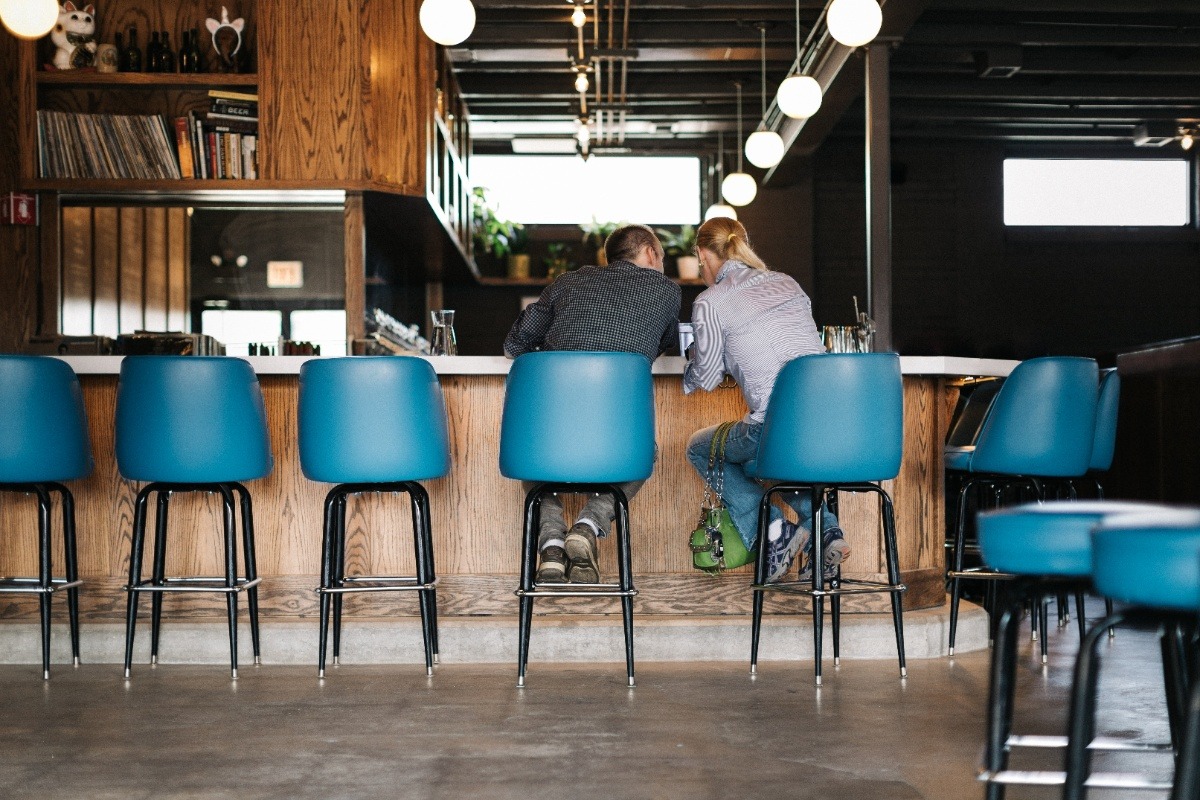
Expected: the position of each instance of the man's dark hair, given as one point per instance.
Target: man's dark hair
(627, 241)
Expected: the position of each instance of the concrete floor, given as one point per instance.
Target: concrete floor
(695, 731)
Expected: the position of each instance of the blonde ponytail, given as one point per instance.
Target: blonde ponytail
(729, 240)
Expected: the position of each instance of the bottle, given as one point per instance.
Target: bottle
(122, 56)
(197, 59)
(166, 56)
(185, 53)
(152, 53)
(133, 53)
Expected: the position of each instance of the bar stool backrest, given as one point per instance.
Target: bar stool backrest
(1105, 440)
(372, 419)
(834, 418)
(1149, 558)
(191, 419)
(578, 417)
(43, 427)
(1043, 420)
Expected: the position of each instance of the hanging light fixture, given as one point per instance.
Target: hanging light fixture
(799, 96)
(578, 17)
(720, 209)
(854, 22)
(764, 148)
(447, 22)
(738, 187)
(28, 19)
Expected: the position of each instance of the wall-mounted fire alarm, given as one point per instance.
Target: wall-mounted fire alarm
(19, 209)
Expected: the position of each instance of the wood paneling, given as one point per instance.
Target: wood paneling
(476, 516)
(354, 249)
(155, 269)
(77, 301)
(106, 254)
(178, 246)
(398, 102)
(132, 269)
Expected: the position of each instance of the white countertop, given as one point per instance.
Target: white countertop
(498, 365)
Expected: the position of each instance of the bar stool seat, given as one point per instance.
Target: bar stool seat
(577, 422)
(43, 442)
(350, 438)
(191, 424)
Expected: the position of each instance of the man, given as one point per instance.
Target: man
(627, 306)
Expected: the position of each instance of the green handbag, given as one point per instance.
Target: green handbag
(716, 545)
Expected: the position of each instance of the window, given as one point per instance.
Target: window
(326, 328)
(566, 190)
(1080, 192)
(237, 329)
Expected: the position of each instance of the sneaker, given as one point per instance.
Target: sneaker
(554, 565)
(784, 540)
(581, 554)
(837, 550)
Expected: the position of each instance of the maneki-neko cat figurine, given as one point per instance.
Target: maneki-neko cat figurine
(75, 36)
(226, 39)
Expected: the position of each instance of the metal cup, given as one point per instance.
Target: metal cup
(686, 337)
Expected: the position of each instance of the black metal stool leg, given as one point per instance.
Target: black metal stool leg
(1175, 680)
(1044, 613)
(528, 557)
(1187, 772)
(421, 545)
(1001, 692)
(45, 574)
(893, 568)
(625, 568)
(760, 578)
(430, 569)
(158, 572)
(835, 604)
(135, 571)
(960, 532)
(1081, 722)
(325, 599)
(339, 576)
(251, 567)
(72, 564)
(818, 579)
(1081, 613)
(230, 573)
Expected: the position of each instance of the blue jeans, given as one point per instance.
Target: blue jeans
(741, 493)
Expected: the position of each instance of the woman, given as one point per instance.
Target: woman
(749, 322)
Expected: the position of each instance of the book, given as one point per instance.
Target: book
(234, 108)
(225, 95)
(183, 143)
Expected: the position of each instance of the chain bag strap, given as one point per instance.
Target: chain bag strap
(715, 543)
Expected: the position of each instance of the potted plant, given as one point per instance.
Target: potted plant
(558, 261)
(594, 234)
(682, 246)
(518, 251)
(489, 232)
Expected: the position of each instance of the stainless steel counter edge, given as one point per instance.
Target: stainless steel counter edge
(498, 365)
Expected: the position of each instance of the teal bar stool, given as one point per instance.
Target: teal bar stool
(1045, 548)
(835, 423)
(1039, 428)
(1150, 561)
(43, 442)
(577, 422)
(191, 424)
(373, 425)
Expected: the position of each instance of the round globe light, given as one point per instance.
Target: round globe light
(854, 22)
(739, 188)
(764, 149)
(799, 96)
(581, 83)
(447, 22)
(28, 19)
(720, 210)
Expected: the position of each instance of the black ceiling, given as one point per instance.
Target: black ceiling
(1066, 71)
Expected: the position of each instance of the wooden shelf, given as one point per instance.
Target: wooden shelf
(143, 80)
(85, 186)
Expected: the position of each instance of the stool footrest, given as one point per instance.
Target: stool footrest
(1100, 743)
(378, 583)
(1097, 780)
(982, 573)
(195, 584)
(855, 587)
(578, 590)
(34, 585)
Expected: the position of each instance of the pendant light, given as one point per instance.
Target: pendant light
(799, 96)
(764, 148)
(738, 187)
(28, 19)
(854, 22)
(720, 209)
(447, 22)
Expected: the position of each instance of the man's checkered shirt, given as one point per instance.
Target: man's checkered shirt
(621, 307)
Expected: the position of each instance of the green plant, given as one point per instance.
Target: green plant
(594, 233)
(678, 244)
(518, 238)
(558, 261)
(490, 232)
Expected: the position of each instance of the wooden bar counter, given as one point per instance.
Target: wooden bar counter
(476, 512)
